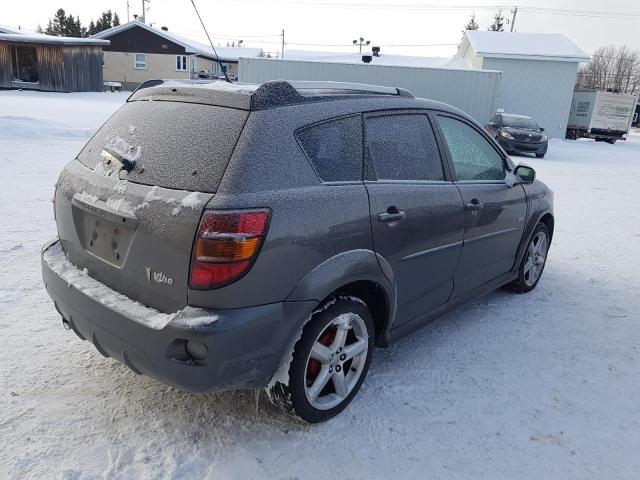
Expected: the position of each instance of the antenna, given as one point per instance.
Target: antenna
(226, 77)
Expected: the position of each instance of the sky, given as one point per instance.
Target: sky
(411, 27)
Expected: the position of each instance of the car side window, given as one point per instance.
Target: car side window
(334, 148)
(402, 147)
(472, 155)
(495, 120)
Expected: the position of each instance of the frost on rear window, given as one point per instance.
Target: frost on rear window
(334, 148)
(176, 145)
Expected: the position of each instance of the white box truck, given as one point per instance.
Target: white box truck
(604, 116)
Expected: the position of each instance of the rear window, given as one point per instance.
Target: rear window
(334, 148)
(183, 146)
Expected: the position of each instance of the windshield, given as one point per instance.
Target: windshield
(519, 122)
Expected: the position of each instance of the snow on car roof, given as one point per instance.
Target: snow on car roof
(190, 46)
(523, 45)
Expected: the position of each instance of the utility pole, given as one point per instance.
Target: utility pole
(144, 15)
(513, 19)
(282, 35)
(128, 11)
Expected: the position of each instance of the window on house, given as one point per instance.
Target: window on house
(140, 60)
(25, 64)
(181, 63)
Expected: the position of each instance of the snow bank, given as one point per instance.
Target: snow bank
(21, 127)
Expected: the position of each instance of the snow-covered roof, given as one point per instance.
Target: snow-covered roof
(383, 59)
(49, 39)
(190, 46)
(8, 29)
(551, 46)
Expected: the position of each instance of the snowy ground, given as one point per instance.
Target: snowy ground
(544, 385)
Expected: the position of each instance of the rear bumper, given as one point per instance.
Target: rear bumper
(243, 346)
(512, 146)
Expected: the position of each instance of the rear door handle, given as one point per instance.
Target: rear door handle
(475, 204)
(392, 215)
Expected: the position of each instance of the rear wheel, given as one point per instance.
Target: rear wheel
(534, 260)
(329, 363)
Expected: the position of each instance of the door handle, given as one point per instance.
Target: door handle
(391, 216)
(475, 204)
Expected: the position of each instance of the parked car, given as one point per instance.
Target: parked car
(518, 134)
(238, 237)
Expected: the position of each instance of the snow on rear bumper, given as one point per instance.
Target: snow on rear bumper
(243, 346)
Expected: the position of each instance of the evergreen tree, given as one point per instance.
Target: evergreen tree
(62, 25)
(73, 28)
(472, 25)
(498, 22)
(105, 22)
(58, 24)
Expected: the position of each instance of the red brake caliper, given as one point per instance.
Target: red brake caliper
(313, 366)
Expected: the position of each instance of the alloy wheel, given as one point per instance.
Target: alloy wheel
(336, 361)
(536, 256)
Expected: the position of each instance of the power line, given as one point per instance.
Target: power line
(372, 5)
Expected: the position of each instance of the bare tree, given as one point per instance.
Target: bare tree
(611, 68)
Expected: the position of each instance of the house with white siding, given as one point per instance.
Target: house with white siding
(538, 72)
(140, 52)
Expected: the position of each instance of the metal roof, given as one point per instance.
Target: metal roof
(49, 39)
(533, 46)
(190, 46)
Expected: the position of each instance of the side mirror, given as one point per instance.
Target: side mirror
(525, 174)
(541, 129)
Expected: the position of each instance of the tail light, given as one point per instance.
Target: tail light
(226, 246)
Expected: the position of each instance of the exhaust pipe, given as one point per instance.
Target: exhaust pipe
(66, 324)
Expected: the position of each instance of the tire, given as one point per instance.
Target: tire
(325, 400)
(529, 274)
(540, 155)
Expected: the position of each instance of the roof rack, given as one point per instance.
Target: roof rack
(279, 93)
(340, 87)
(275, 93)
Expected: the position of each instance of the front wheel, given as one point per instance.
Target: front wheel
(534, 260)
(329, 362)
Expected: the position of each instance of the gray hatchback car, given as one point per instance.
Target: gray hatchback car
(217, 236)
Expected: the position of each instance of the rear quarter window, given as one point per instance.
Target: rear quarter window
(334, 148)
(184, 146)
